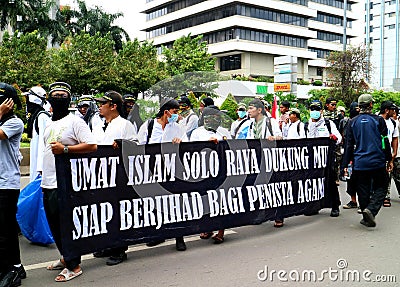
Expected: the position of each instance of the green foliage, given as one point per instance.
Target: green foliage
(317, 83)
(230, 105)
(246, 101)
(193, 100)
(86, 63)
(347, 70)
(136, 67)
(380, 96)
(148, 108)
(302, 82)
(24, 60)
(188, 55)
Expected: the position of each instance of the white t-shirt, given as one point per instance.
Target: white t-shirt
(69, 131)
(393, 131)
(234, 126)
(323, 131)
(159, 135)
(37, 146)
(295, 131)
(201, 134)
(190, 123)
(118, 128)
(265, 130)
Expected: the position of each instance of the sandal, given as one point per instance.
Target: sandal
(278, 223)
(217, 239)
(206, 235)
(67, 275)
(386, 202)
(57, 265)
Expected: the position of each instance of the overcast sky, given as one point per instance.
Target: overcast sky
(131, 22)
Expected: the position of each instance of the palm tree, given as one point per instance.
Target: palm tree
(11, 10)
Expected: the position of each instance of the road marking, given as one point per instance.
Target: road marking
(133, 248)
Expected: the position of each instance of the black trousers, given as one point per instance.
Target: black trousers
(371, 188)
(51, 206)
(9, 244)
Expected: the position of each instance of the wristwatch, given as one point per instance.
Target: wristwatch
(65, 149)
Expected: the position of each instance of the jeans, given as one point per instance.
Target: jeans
(51, 206)
(9, 244)
(371, 188)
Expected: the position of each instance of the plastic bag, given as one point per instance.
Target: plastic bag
(31, 216)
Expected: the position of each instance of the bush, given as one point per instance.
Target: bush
(230, 105)
(317, 83)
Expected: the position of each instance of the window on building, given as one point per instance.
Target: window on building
(232, 62)
(391, 26)
(320, 71)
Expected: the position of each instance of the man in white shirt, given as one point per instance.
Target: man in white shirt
(263, 127)
(319, 127)
(187, 117)
(242, 123)
(66, 133)
(114, 127)
(295, 128)
(211, 130)
(387, 111)
(37, 121)
(164, 128)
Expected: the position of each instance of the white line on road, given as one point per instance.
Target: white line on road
(134, 248)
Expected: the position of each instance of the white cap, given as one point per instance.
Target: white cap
(36, 95)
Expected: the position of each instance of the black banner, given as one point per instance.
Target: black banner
(140, 193)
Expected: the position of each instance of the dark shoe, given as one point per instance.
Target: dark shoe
(368, 217)
(335, 212)
(11, 279)
(180, 244)
(363, 222)
(21, 271)
(155, 242)
(278, 223)
(103, 253)
(116, 259)
(359, 211)
(218, 240)
(350, 205)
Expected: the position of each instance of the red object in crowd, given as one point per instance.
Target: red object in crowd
(274, 112)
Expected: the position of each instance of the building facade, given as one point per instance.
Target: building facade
(382, 36)
(245, 36)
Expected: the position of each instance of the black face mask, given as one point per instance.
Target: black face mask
(31, 112)
(60, 107)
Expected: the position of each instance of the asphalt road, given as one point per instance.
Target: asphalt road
(308, 251)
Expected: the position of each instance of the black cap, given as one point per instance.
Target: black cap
(60, 86)
(207, 101)
(388, 105)
(316, 103)
(111, 96)
(129, 97)
(185, 101)
(9, 91)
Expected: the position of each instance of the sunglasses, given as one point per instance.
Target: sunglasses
(332, 104)
(313, 108)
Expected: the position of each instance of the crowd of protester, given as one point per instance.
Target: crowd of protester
(366, 154)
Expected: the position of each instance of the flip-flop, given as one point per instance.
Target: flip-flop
(206, 235)
(217, 239)
(57, 265)
(278, 223)
(68, 275)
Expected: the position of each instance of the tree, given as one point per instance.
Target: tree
(137, 67)
(86, 62)
(11, 9)
(347, 69)
(188, 55)
(230, 105)
(24, 60)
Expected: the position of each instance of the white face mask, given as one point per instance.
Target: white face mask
(173, 118)
(315, 115)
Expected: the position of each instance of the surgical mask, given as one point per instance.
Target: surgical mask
(173, 118)
(315, 115)
(242, 114)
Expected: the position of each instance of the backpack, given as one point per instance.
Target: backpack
(327, 123)
(269, 126)
(150, 125)
(36, 121)
(238, 127)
